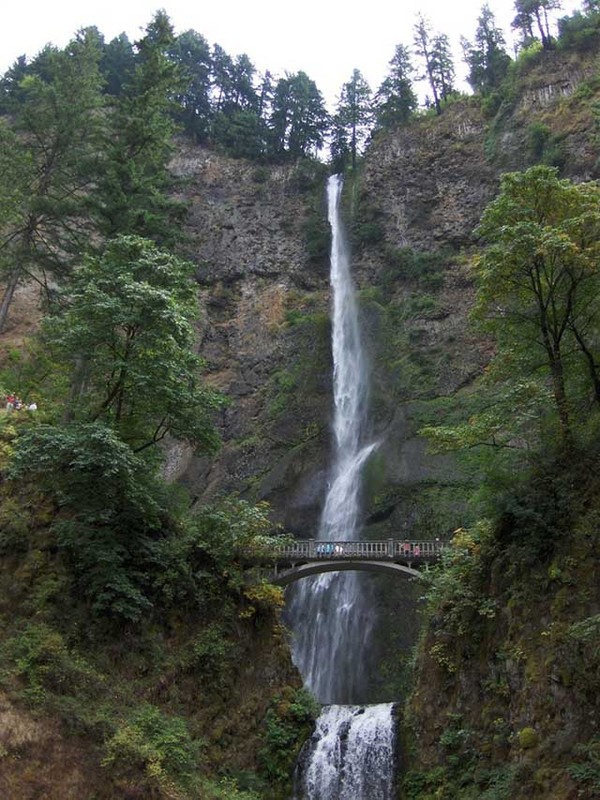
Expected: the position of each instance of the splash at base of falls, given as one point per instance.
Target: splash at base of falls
(350, 755)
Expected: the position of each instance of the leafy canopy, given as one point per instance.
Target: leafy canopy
(127, 332)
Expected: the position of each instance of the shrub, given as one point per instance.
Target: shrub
(159, 745)
(40, 657)
(288, 723)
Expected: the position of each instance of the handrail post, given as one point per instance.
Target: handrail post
(390, 548)
(311, 548)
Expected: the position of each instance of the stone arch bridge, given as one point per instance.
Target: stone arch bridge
(313, 557)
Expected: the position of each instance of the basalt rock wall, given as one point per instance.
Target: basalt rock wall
(259, 237)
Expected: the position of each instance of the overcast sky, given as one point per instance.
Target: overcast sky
(325, 38)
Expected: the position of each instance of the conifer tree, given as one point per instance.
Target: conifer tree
(131, 194)
(486, 58)
(354, 113)
(299, 118)
(531, 15)
(117, 64)
(191, 52)
(424, 48)
(396, 100)
(443, 65)
(55, 112)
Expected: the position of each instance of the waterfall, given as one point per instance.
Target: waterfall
(331, 615)
(351, 751)
(350, 755)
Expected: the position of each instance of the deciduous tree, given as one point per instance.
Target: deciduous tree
(127, 333)
(539, 282)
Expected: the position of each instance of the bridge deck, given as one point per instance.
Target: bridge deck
(392, 549)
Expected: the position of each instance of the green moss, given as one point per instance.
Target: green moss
(527, 738)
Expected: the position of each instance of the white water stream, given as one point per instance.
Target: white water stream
(331, 615)
(350, 755)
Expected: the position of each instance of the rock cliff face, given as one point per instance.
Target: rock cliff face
(263, 306)
(259, 235)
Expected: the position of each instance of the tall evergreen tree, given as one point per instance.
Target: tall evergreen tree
(354, 113)
(191, 52)
(243, 92)
(299, 118)
(265, 95)
(55, 113)
(532, 15)
(486, 58)
(443, 65)
(222, 78)
(131, 194)
(117, 64)
(424, 48)
(396, 100)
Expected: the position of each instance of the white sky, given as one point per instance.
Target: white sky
(325, 38)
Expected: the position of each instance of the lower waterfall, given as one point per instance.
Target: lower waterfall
(351, 753)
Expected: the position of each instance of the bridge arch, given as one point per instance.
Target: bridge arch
(300, 571)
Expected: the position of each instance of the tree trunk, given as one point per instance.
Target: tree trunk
(7, 299)
(592, 368)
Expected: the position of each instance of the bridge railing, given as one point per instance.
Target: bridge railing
(316, 550)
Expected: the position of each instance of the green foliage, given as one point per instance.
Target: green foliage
(539, 265)
(299, 118)
(367, 218)
(131, 191)
(226, 789)
(317, 238)
(486, 58)
(463, 782)
(127, 332)
(578, 32)
(240, 134)
(210, 552)
(288, 723)
(423, 267)
(532, 283)
(50, 157)
(396, 101)
(41, 659)
(211, 654)
(455, 591)
(586, 769)
(113, 504)
(86, 467)
(158, 744)
(543, 146)
(352, 120)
